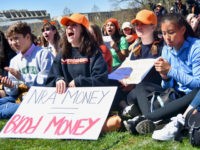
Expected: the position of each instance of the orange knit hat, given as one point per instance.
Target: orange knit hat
(114, 21)
(146, 17)
(77, 18)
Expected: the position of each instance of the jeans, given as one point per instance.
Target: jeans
(6, 99)
(8, 106)
(7, 110)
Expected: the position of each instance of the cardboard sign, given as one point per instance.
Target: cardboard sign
(79, 113)
(132, 71)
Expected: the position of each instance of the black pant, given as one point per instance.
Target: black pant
(119, 96)
(153, 76)
(138, 96)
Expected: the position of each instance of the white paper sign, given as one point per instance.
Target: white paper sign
(77, 114)
(107, 40)
(132, 71)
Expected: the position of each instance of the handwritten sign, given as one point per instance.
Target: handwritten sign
(79, 113)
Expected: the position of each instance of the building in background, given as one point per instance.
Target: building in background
(33, 18)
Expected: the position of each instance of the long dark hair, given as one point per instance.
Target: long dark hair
(97, 32)
(180, 21)
(6, 53)
(87, 48)
(116, 36)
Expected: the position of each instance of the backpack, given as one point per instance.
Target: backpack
(193, 124)
(159, 98)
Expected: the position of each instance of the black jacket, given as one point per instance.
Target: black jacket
(85, 71)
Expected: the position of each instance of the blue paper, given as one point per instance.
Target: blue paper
(120, 73)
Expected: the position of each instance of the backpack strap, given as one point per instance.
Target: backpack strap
(193, 119)
(136, 47)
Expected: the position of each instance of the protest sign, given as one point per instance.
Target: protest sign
(79, 113)
(132, 71)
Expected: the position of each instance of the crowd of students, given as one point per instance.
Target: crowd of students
(80, 58)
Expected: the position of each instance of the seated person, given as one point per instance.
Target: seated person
(29, 67)
(81, 63)
(118, 44)
(50, 37)
(128, 31)
(146, 46)
(179, 68)
(6, 54)
(169, 131)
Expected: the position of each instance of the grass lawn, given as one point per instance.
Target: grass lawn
(108, 141)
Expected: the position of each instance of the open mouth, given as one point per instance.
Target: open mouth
(109, 32)
(70, 34)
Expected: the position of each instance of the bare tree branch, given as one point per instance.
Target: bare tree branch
(67, 11)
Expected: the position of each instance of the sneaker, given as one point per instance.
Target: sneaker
(131, 111)
(170, 130)
(130, 124)
(125, 112)
(145, 126)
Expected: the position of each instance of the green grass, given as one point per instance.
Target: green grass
(108, 141)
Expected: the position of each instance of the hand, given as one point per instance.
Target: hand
(125, 86)
(14, 72)
(61, 86)
(72, 84)
(194, 23)
(6, 82)
(123, 82)
(163, 67)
